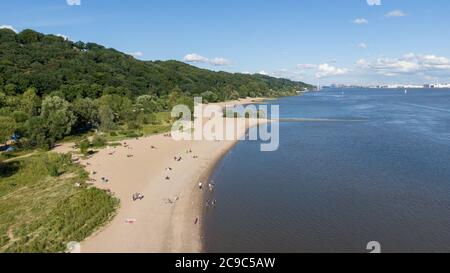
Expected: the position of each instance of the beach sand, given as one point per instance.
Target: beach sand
(159, 222)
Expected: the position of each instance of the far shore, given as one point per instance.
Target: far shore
(170, 216)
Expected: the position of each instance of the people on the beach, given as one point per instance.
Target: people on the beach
(200, 185)
(137, 196)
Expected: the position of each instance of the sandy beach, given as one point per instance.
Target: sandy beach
(169, 217)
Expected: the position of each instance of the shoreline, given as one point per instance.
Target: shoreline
(206, 196)
(170, 217)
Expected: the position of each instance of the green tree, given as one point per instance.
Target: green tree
(106, 117)
(37, 132)
(7, 128)
(174, 97)
(146, 103)
(2, 99)
(86, 113)
(30, 102)
(209, 97)
(58, 117)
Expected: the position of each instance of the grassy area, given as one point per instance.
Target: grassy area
(161, 124)
(11, 155)
(41, 207)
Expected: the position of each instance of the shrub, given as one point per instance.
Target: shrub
(84, 146)
(98, 142)
(133, 125)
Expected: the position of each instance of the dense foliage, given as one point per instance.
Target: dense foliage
(51, 87)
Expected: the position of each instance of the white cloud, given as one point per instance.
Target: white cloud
(136, 54)
(63, 36)
(262, 72)
(326, 70)
(407, 64)
(219, 62)
(360, 21)
(306, 66)
(395, 13)
(73, 2)
(363, 45)
(8, 27)
(196, 58)
(374, 2)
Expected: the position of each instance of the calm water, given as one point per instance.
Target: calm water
(335, 186)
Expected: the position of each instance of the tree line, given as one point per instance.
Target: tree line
(51, 87)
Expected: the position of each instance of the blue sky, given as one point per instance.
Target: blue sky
(334, 41)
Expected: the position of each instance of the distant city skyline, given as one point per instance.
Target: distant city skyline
(360, 42)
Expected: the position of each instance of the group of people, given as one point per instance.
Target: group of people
(170, 201)
(211, 186)
(105, 180)
(137, 196)
(213, 203)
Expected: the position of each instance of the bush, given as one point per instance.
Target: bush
(133, 134)
(133, 125)
(98, 142)
(84, 146)
(56, 164)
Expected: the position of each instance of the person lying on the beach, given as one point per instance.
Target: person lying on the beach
(131, 221)
(167, 178)
(168, 169)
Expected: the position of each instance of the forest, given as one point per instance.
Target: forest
(52, 88)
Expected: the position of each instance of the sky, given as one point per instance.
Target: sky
(362, 42)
